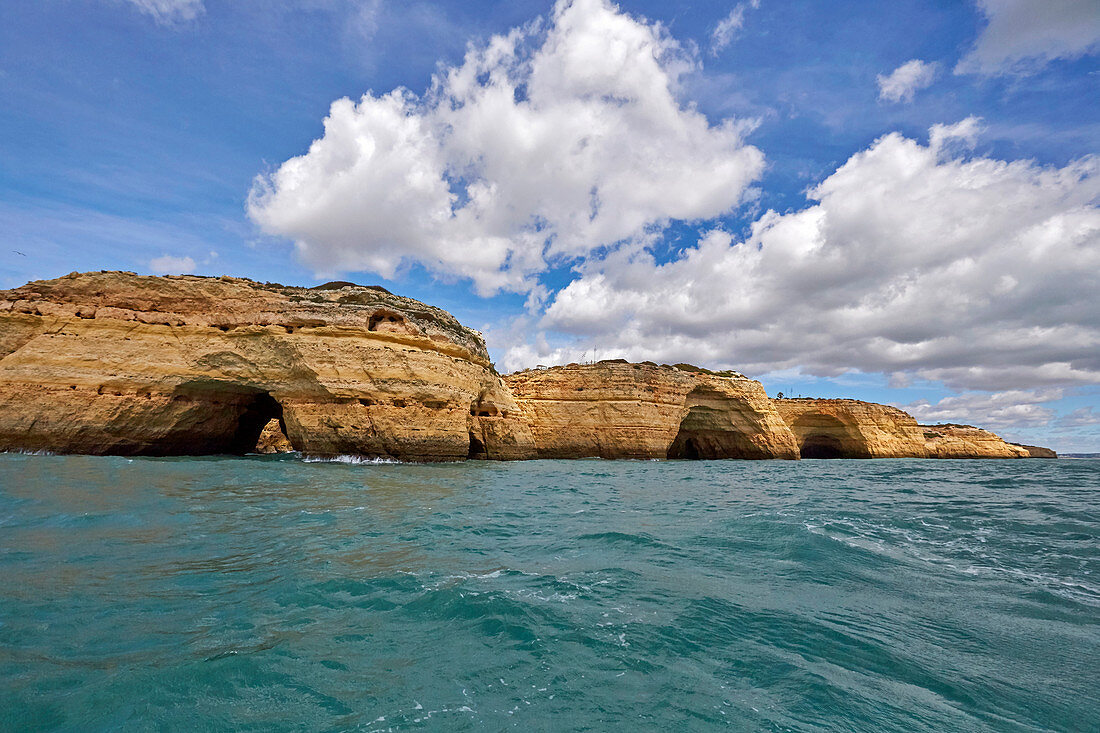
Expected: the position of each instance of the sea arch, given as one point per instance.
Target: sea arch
(820, 435)
(716, 425)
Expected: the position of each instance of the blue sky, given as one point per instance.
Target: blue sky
(132, 133)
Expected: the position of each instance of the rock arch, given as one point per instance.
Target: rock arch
(715, 425)
(820, 435)
(217, 418)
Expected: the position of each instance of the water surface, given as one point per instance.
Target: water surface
(277, 594)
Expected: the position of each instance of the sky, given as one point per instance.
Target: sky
(897, 202)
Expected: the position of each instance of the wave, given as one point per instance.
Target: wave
(351, 460)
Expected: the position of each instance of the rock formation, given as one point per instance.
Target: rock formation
(826, 428)
(117, 363)
(273, 438)
(613, 409)
(1035, 451)
(967, 441)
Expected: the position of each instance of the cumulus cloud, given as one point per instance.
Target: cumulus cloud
(169, 265)
(727, 28)
(1079, 418)
(1021, 35)
(547, 144)
(1011, 409)
(903, 82)
(968, 270)
(167, 12)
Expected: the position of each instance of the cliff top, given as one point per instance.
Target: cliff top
(617, 363)
(231, 302)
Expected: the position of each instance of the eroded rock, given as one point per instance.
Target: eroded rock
(116, 363)
(615, 409)
(832, 428)
(967, 441)
(272, 439)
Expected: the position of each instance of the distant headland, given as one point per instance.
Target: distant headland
(118, 363)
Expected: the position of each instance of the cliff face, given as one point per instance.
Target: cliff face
(118, 363)
(1035, 451)
(853, 429)
(827, 428)
(621, 410)
(966, 441)
(115, 363)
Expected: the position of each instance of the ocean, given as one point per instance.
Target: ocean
(272, 594)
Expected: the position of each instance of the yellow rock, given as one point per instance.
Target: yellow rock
(620, 410)
(966, 441)
(117, 363)
(272, 439)
(828, 428)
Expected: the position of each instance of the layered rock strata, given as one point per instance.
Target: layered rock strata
(1035, 451)
(967, 441)
(614, 409)
(116, 363)
(831, 428)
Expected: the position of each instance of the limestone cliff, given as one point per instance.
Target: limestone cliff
(619, 410)
(116, 363)
(830, 428)
(1035, 451)
(112, 362)
(967, 441)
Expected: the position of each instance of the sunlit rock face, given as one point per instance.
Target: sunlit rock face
(116, 363)
(619, 410)
(829, 428)
(966, 441)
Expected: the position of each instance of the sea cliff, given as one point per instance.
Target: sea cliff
(614, 409)
(118, 363)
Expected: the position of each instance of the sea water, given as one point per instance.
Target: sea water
(269, 594)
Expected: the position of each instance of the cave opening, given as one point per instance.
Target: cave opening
(821, 446)
(710, 429)
(256, 413)
(685, 449)
(477, 448)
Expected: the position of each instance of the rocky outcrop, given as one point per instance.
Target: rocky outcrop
(831, 428)
(118, 363)
(1035, 451)
(967, 441)
(273, 439)
(613, 409)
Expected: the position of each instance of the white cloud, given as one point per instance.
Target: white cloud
(169, 265)
(903, 82)
(549, 143)
(1012, 409)
(167, 12)
(727, 28)
(1022, 35)
(972, 271)
(1080, 417)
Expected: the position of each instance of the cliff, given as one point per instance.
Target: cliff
(966, 441)
(619, 410)
(1035, 451)
(112, 362)
(830, 428)
(116, 363)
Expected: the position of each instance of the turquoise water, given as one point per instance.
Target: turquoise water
(276, 594)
